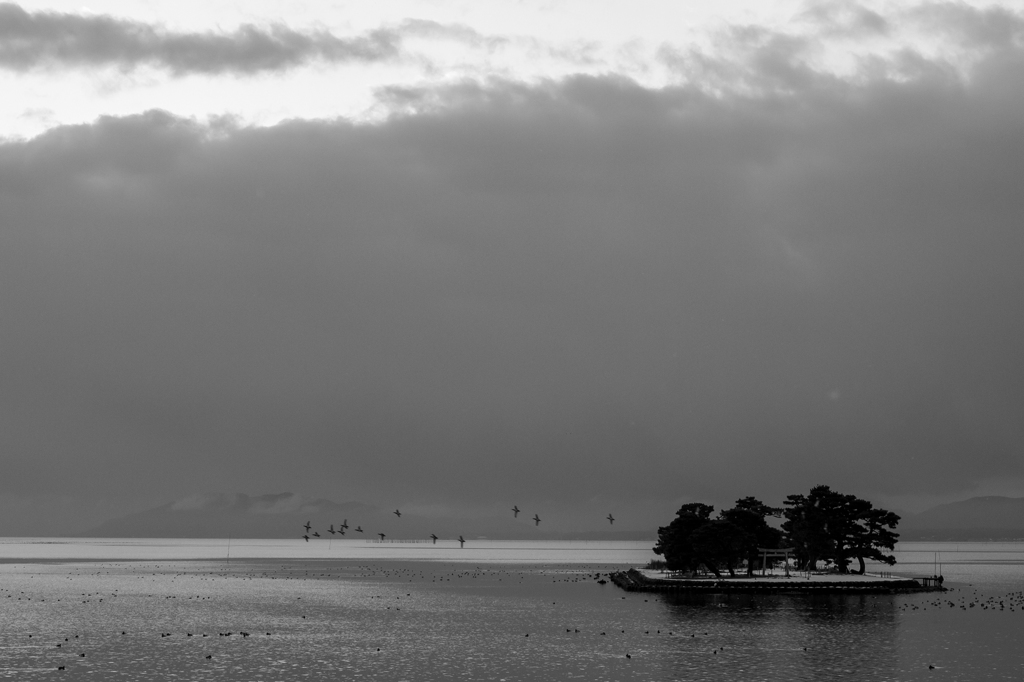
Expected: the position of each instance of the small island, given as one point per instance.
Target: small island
(823, 526)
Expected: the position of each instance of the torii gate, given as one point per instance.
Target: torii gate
(772, 553)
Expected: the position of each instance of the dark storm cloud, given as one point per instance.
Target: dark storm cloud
(46, 39)
(574, 291)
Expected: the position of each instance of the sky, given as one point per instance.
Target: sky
(582, 257)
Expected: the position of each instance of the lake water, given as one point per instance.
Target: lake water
(120, 549)
(492, 611)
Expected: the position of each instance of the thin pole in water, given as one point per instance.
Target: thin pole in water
(229, 549)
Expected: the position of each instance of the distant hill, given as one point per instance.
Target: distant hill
(283, 515)
(978, 518)
(237, 515)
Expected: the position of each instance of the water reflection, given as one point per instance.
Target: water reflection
(783, 636)
(429, 621)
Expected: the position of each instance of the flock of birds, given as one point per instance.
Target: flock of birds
(972, 600)
(343, 526)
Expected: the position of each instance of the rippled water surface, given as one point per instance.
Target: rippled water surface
(440, 619)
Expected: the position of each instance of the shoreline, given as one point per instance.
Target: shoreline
(647, 580)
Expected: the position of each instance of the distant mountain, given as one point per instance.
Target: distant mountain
(978, 518)
(241, 516)
(283, 515)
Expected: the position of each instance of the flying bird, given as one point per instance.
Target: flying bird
(331, 529)
(344, 524)
(536, 519)
(316, 535)
(382, 536)
(611, 519)
(307, 526)
(359, 529)
(462, 541)
(434, 538)
(515, 511)
(397, 513)
(306, 538)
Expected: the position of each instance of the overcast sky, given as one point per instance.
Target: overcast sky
(451, 256)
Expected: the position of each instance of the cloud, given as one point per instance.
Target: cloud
(835, 43)
(989, 26)
(572, 290)
(848, 19)
(426, 28)
(52, 40)
(31, 40)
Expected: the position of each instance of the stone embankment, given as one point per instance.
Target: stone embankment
(635, 580)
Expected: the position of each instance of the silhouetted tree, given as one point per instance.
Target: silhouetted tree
(674, 542)
(750, 516)
(694, 539)
(807, 525)
(719, 544)
(827, 525)
(875, 534)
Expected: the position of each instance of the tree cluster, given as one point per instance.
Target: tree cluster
(823, 525)
(830, 526)
(693, 539)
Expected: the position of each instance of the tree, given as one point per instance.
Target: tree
(674, 541)
(875, 535)
(827, 525)
(806, 526)
(694, 539)
(750, 515)
(718, 544)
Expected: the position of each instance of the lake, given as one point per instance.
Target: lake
(353, 610)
